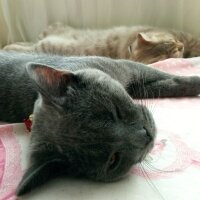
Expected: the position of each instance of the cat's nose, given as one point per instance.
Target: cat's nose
(149, 137)
(180, 46)
(146, 135)
(143, 138)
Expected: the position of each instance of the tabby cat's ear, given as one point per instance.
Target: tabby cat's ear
(50, 81)
(143, 39)
(37, 174)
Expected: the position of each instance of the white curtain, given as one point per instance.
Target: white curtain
(23, 20)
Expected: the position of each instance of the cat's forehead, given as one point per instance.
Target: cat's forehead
(99, 81)
(161, 37)
(92, 75)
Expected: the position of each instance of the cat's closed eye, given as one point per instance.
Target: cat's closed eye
(116, 113)
(130, 49)
(180, 48)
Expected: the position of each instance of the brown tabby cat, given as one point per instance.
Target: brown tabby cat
(143, 44)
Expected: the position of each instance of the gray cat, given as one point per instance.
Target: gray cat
(86, 123)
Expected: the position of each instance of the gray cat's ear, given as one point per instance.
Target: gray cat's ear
(38, 174)
(143, 39)
(50, 81)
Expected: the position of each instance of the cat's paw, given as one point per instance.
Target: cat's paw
(52, 45)
(190, 85)
(20, 46)
(52, 29)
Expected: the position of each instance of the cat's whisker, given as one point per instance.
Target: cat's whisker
(135, 89)
(149, 94)
(140, 86)
(149, 103)
(138, 90)
(150, 182)
(151, 167)
(144, 92)
(152, 105)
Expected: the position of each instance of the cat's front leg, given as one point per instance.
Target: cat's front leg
(175, 86)
(54, 45)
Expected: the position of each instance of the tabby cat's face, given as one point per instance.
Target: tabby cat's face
(155, 46)
(87, 120)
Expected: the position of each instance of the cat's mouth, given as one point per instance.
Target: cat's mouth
(149, 137)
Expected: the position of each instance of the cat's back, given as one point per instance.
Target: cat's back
(17, 91)
(12, 66)
(65, 40)
(76, 33)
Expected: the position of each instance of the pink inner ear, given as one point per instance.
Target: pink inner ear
(142, 39)
(52, 76)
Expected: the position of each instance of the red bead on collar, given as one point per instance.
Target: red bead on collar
(28, 122)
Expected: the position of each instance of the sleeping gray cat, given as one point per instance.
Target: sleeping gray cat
(86, 123)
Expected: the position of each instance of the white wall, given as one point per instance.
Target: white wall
(22, 20)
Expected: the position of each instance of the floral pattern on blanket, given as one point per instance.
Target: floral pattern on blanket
(169, 155)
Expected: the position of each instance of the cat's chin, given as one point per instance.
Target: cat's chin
(111, 180)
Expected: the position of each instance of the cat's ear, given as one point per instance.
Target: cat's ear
(50, 81)
(143, 39)
(38, 174)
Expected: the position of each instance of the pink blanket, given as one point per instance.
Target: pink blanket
(176, 151)
(10, 167)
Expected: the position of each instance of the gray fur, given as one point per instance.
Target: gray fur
(83, 113)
